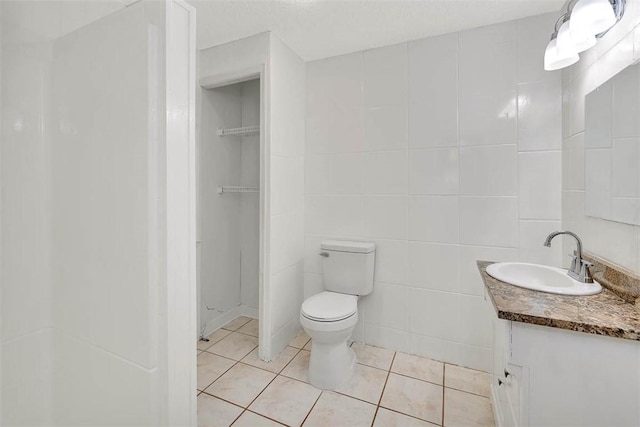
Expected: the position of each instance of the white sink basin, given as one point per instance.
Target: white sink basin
(541, 278)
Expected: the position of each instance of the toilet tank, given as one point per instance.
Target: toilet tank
(348, 267)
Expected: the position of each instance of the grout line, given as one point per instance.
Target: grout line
(312, 406)
(443, 387)
(384, 387)
(412, 416)
(264, 416)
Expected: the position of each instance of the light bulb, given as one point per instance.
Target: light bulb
(591, 17)
(566, 41)
(555, 59)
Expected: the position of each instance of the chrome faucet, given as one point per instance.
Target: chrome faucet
(579, 269)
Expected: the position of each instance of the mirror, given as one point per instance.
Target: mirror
(612, 148)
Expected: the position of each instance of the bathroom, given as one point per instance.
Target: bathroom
(180, 177)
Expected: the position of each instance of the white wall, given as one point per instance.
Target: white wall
(107, 105)
(228, 231)
(286, 169)
(443, 151)
(27, 29)
(620, 47)
(250, 202)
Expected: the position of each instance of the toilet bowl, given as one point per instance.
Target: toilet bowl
(329, 319)
(330, 316)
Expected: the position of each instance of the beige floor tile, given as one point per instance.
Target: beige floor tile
(240, 384)
(418, 367)
(237, 323)
(213, 412)
(387, 418)
(333, 409)
(276, 365)
(413, 397)
(466, 379)
(210, 367)
(249, 419)
(300, 340)
(366, 383)
(250, 328)
(299, 367)
(286, 400)
(376, 357)
(466, 409)
(234, 346)
(307, 346)
(213, 338)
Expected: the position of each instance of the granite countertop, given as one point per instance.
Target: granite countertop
(602, 314)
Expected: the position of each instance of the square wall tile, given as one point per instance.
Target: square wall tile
(531, 248)
(334, 174)
(488, 59)
(488, 119)
(489, 221)
(394, 339)
(433, 69)
(433, 124)
(540, 115)
(434, 219)
(338, 215)
(434, 171)
(532, 39)
(342, 74)
(436, 348)
(338, 129)
(391, 261)
(429, 308)
(385, 217)
(434, 266)
(388, 306)
(385, 172)
(385, 128)
(470, 281)
(476, 318)
(385, 76)
(573, 163)
(540, 185)
(489, 171)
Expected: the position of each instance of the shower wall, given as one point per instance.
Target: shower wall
(27, 29)
(228, 234)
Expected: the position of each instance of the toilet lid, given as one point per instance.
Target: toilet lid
(330, 306)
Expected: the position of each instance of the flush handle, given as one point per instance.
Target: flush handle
(324, 254)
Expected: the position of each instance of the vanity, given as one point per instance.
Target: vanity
(563, 360)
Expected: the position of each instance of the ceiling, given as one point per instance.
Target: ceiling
(321, 28)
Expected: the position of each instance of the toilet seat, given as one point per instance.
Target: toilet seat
(329, 307)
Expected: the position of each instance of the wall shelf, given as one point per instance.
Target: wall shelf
(237, 189)
(245, 130)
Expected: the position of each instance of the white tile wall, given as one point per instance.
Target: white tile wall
(619, 48)
(439, 178)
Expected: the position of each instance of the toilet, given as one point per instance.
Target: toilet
(330, 316)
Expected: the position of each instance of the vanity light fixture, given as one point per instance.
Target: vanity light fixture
(578, 29)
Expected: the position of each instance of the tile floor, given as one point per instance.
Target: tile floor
(388, 388)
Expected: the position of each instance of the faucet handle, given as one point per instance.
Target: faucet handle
(585, 276)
